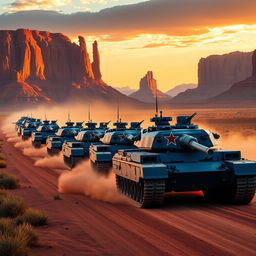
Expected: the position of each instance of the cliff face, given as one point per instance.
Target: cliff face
(147, 91)
(241, 92)
(38, 66)
(216, 74)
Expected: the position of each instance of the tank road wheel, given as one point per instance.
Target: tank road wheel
(25, 137)
(36, 144)
(153, 193)
(242, 190)
(148, 193)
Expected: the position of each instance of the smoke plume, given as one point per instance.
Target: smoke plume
(55, 162)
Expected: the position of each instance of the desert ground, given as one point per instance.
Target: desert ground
(92, 219)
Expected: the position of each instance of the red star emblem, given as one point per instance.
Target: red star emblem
(171, 139)
(121, 136)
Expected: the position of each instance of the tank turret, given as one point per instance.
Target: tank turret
(114, 139)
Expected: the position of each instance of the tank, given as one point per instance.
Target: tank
(115, 139)
(182, 157)
(78, 149)
(46, 129)
(21, 124)
(29, 127)
(65, 133)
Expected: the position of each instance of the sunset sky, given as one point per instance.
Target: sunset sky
(165, 36)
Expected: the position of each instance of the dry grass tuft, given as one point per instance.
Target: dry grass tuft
(8, 181)
(32, 216)
(11, 206)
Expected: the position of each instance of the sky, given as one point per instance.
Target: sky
(167, 37)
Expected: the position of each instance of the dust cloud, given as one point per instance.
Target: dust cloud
(83, 180)
(35, 152)
(54, 162)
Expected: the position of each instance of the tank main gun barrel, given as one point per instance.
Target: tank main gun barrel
(192, 143)
(133, 138)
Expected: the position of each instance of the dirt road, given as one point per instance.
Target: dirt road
(78, 225)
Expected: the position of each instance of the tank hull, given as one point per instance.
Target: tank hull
(73, 161)
(222, 180)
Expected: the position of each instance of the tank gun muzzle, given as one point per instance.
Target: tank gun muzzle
(133, 138)
(192, 143)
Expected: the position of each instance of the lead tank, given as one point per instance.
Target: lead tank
(74, 151)
(182, 157)
(65, 133)
(121, 137)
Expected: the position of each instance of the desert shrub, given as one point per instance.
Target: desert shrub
(2, 163)
(7, 226)
(2, 193)
(26, 231)
(13, 245)
(32, 216)
(2, 157)
(11, 206)
(57, 197)
(8, 181)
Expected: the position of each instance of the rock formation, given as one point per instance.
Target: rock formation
(38, 66)
(148, 89)
(241, 92)
(216, 74)
(126, 90)
(180, 88)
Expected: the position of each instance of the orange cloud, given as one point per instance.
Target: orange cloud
(23, 5)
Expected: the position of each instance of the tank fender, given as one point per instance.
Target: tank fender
(136, 172)
(242, 167)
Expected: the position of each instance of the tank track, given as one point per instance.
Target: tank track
(53, 152)
(147, 193)
(241, 191)
(244, 190)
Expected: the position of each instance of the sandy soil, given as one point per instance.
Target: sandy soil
(78, 225)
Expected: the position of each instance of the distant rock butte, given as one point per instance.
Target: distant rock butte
(180, 88)
(125, 90)
(148, 88)
(39, 66)
(216, 74)
(241, 92)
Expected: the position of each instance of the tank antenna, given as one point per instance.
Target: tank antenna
(156, 102)
(89, 113)
(69, 117)
(45, 116)
(118, 114)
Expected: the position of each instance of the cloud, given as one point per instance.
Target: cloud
(170, 17)
(22, 5)
(103, 2)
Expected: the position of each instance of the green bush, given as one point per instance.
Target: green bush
(8, 181)
(11, 206)
(32, 216)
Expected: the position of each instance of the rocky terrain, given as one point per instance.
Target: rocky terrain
(216, 74)
(39, 66)
(243, 91)
(148, 89)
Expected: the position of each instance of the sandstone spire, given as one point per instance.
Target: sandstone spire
(96, 61)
